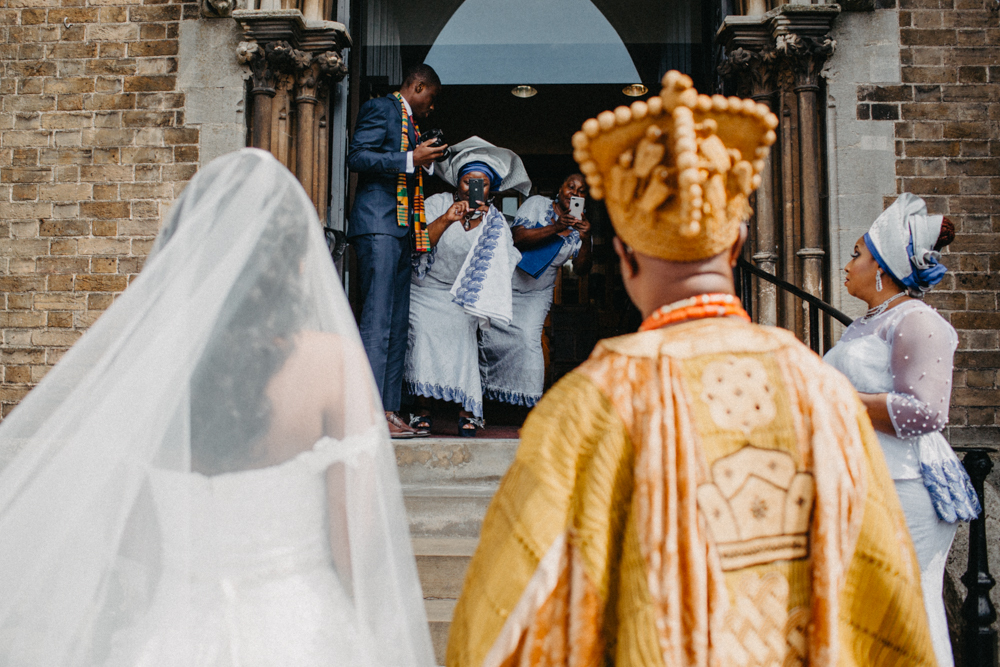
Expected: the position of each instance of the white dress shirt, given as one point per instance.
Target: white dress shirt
(409, 155)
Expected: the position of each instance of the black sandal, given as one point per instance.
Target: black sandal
(467, 426)
(421, 423)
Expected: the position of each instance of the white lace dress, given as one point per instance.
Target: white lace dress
(511, 360)
(442, 354)
(259, 588)
(907, 353)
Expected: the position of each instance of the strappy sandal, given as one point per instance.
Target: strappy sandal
(398, 429)
(467, 426)
(421, 423)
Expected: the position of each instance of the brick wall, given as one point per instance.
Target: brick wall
(948, 151)
(93, 147)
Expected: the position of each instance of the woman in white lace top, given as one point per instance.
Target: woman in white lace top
(899, 358)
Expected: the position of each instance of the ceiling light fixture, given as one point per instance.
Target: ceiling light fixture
(523, 91)
(635, 90)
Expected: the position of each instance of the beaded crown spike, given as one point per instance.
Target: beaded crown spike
(676, 171)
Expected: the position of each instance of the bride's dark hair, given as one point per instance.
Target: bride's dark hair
(229, 408)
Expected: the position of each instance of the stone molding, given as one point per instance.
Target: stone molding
(288, 25)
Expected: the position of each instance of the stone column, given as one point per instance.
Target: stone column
(755, 72)
(264, 79)
(293, 58)
(266, 63)
(312, 10)
(307, 82)
(332, 69)
(806, 56)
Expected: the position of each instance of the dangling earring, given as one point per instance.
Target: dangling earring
(878, 280)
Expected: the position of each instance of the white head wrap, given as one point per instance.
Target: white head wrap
(504, 162)
(902, 241)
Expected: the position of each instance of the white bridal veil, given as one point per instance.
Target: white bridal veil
(165, 407)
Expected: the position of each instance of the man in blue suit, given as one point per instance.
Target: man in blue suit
(381, 226)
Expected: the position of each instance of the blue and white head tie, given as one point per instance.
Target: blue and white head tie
(503, 167)
(902, 241)
(481, 167)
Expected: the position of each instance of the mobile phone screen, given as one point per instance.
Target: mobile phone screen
(476, 186)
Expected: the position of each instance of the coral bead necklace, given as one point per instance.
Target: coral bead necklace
(695, 308)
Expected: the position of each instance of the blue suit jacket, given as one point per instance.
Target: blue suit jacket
(375, 156)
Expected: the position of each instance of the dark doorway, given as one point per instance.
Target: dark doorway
(578, 66)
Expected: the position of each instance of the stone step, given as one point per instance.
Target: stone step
(439, 613)
(441, 564)
(445, 512)
(449, 482)
(447, 485)
(438, 461)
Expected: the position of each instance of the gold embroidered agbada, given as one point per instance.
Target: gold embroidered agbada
(707, 494)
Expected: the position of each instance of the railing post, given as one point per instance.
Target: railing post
(979, 637)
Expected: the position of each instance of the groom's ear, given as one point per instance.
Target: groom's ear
(629, 265)
(737, 247)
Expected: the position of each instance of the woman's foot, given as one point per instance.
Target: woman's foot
(468, 425)
(398, 429)
(421, 423)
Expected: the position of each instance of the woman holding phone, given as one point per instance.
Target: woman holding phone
(464, 283)
(549, 233)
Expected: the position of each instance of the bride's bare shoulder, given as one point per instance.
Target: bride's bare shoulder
(322, 348)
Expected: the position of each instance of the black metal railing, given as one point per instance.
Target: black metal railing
(744, 288)
(979, 637)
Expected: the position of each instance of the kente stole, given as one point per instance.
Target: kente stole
(420, 235)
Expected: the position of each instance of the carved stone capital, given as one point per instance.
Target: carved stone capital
(263, 75)
(307, 78)
(266, 64)
(805, 55)
(754, 71)
(332, 65)
(282, 56)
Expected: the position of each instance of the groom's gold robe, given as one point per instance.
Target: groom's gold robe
(708, 494)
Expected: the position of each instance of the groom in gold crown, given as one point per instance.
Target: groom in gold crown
(704, 492)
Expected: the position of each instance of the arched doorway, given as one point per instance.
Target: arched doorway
(579, 55)
(564, 42)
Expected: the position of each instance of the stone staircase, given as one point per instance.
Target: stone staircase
(447, 485)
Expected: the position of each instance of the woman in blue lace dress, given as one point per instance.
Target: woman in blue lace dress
(899, 358)
(510, 355)
(463, 284)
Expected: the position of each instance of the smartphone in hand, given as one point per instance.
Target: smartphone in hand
(476, 192)
(576, 207)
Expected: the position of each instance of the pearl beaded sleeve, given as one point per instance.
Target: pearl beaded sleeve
(923, 347)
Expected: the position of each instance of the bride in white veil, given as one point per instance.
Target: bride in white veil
(206, 477)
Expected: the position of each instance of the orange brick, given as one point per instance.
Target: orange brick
(104, 210)
(101, 283)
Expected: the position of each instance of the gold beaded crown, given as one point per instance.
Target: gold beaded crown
(676, 170)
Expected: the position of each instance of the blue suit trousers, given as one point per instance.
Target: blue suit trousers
(384, 277)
